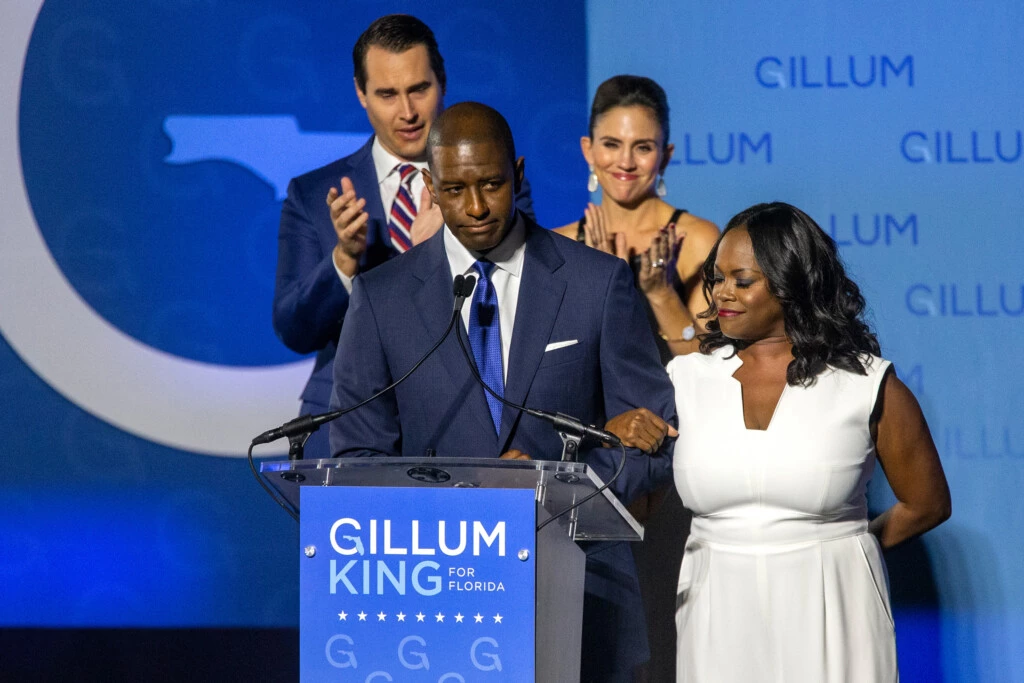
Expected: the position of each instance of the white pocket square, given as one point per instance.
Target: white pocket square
(560, 345)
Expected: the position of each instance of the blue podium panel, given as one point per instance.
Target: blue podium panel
(417, 584)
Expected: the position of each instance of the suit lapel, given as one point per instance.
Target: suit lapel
(434, 300)
(365, 181)
(367, 186)
(540, 297)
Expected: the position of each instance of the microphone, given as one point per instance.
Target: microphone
(463, 288)
(570, 425)
(565, 424)
(300, 425)
(299, 429)
(571, 431)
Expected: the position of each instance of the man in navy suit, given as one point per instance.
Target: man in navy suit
(552, 325)
(400, 82)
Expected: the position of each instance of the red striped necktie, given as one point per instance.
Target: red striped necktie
(403, 211)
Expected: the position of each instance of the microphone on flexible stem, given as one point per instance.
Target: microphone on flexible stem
(571, 430)
(304, 424)
(297, 431)
(463, 288)
(567, 423)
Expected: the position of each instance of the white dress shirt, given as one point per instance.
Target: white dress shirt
(506, 277)
(386, 165)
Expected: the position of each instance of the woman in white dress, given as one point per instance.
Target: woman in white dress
(781, 419)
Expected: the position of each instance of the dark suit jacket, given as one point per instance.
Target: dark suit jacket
(567, 292)
(309, 300)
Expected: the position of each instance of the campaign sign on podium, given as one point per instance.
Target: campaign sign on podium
(417, 584)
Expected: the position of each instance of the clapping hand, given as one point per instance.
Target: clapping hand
(598, 236)
(659, 263)
(349, 219)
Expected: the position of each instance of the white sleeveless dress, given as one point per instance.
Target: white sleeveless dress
(780, 581)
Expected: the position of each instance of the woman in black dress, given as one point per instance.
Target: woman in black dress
(628, 151)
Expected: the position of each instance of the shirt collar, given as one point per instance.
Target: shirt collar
(508, 255)
(386, 163)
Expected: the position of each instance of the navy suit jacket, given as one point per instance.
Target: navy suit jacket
(568, 292)
(309, 300)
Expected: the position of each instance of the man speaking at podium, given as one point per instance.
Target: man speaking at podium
(375, 207)
(551, 325)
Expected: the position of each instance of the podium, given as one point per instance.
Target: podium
(434, 569)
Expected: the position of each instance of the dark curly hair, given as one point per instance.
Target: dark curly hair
(822, 308)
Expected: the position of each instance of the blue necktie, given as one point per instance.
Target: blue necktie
(485, 338)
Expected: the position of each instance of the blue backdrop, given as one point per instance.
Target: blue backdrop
(143, 152)
(898, 128)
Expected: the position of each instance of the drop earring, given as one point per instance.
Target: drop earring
(661, 189)
(592, 181)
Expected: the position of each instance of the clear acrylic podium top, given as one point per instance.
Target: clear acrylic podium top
(558, 485)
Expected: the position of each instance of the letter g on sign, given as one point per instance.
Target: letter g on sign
(423, 662)
(170, 400)
(350, 655)
(345, 521)
(494, 658)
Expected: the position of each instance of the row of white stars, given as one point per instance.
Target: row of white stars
(439, 617)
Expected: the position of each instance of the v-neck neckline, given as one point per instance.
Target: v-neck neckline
(734, 363)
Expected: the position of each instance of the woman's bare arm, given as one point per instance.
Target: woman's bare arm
(911, 464)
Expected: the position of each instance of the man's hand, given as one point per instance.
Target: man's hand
(428, 220)
(349, 221)
(640, 428)
(515, 454)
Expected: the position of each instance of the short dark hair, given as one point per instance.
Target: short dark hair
(630, 91)
(397, 33)
(822, 308)
(492, 127)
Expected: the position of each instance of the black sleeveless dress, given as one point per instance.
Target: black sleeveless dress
(634, 264)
